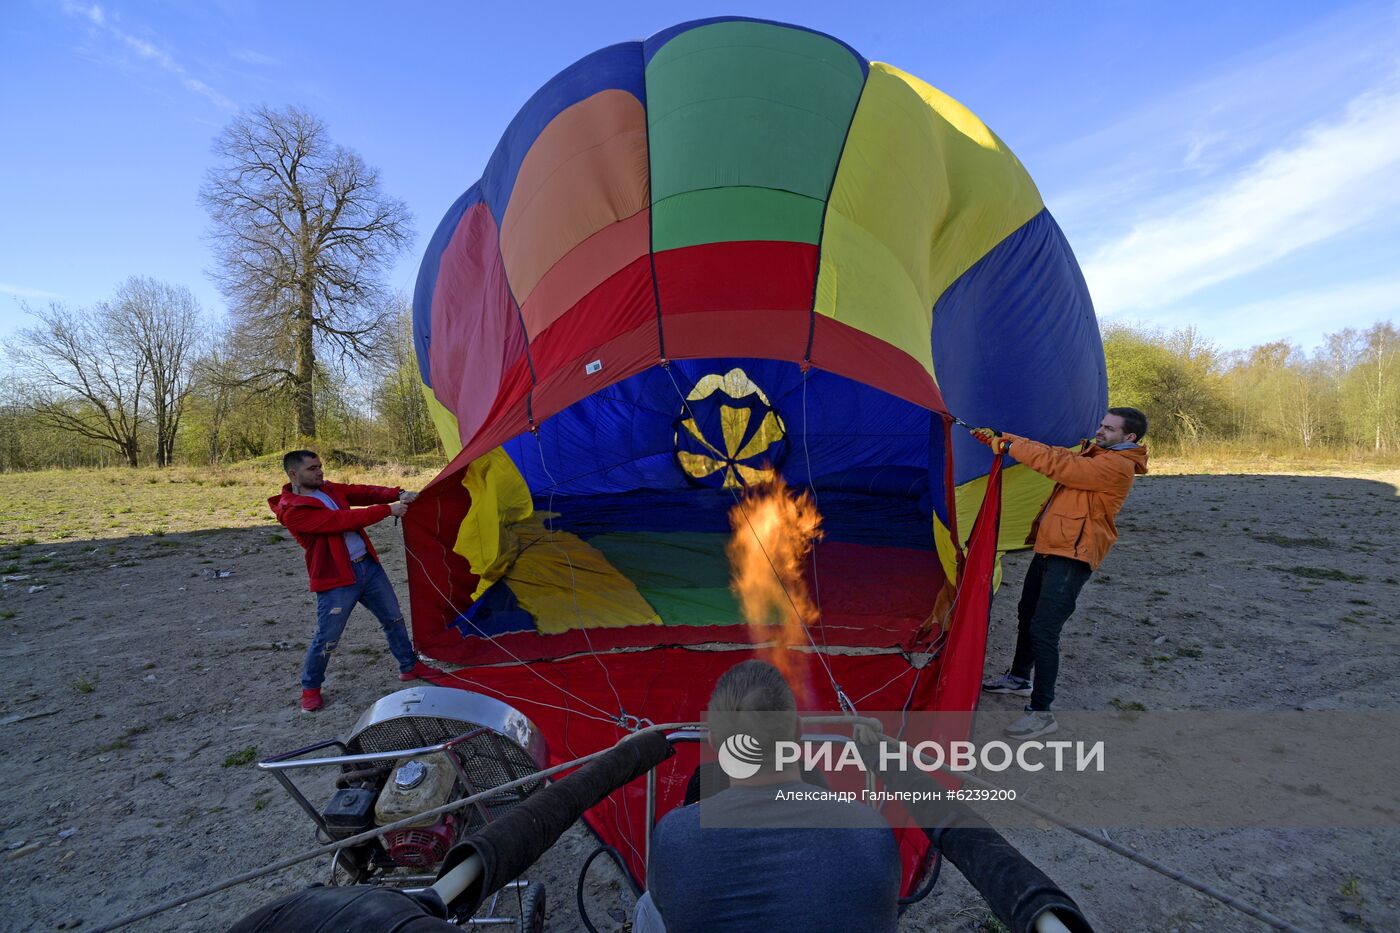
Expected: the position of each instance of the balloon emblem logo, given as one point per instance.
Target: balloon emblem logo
(728, 434)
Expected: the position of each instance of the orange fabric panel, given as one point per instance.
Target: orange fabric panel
(585, 171)
(584, 268)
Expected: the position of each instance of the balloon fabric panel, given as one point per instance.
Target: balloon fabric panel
(615, 67)
(718, 215)
(1015, 345)
(586, 171)
(744, 104)
(622, 303)
(427, 278)
(584, 268)
(476, 328)
(923, 191)
(444, 422)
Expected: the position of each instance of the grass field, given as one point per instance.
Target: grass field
(59, 505)
(47, 506)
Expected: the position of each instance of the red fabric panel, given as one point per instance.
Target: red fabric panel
(475, 325)
(622, 303)
(959, 676)
(756, 276)
(438, 577)
(568, 701)
(585, 267)
(950, 492)
(842, 349)
(773, 335)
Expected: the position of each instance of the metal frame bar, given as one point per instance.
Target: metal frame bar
(279, 765)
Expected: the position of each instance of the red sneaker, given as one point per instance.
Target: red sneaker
(311, 701)
(420, 671)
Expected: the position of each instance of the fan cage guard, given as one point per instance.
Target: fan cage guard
(489, 759)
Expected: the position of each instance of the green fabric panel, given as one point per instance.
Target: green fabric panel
(684, 575)
(749, 104)
(717, 215)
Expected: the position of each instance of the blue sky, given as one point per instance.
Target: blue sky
(1232, 166)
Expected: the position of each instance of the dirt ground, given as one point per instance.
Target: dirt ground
(158, 660)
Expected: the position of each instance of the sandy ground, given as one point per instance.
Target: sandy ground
(134, 680)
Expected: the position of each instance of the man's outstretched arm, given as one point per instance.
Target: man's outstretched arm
(1096, 474)
(368, 495)
(309, 520)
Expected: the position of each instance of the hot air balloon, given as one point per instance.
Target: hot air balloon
(732, 253)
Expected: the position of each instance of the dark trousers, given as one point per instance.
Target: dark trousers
(1047, 601)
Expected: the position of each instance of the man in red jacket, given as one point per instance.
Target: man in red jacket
(1072, 535)
(341, 562)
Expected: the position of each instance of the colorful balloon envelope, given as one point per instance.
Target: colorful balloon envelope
(734, 251)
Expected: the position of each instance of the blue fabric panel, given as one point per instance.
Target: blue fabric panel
(624, 437)
(1021, 315)
(846, 516)
(905, 482)
(846, 425)
(427, 278)
(654, 44)
(497, 612)
(617, 66)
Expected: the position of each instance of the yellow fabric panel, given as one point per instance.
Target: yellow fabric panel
(500, 498)
(922, 192)
(1023, 492)
(445, 422)
(566, 583)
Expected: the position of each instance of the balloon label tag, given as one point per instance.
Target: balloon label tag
(594, 367)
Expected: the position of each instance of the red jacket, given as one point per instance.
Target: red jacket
(319, 529)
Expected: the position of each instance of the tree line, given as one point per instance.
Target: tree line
(1341, 398)
(315, 349)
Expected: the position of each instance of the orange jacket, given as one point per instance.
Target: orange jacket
(1090, 486)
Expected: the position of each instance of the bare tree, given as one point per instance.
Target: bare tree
(84, 376)
(303, 235)
(162, 322)
(398, 394)
(1380, 369)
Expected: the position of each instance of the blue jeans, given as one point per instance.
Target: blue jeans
(1047, 601)
(373, 589)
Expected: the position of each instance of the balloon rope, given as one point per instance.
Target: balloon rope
(807, 453)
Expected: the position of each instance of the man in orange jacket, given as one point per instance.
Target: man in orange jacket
(1072, 535)
(342, 564)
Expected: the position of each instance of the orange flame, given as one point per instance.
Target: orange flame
(774, 531)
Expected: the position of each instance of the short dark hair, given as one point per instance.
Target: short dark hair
(295, 458)
(1134, 421)
(753, 698)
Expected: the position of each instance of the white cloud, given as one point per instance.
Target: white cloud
(24, 291)
(1178, 143)
(1336, 177)
(1302, 317)
(254, 57)
(95, 15)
